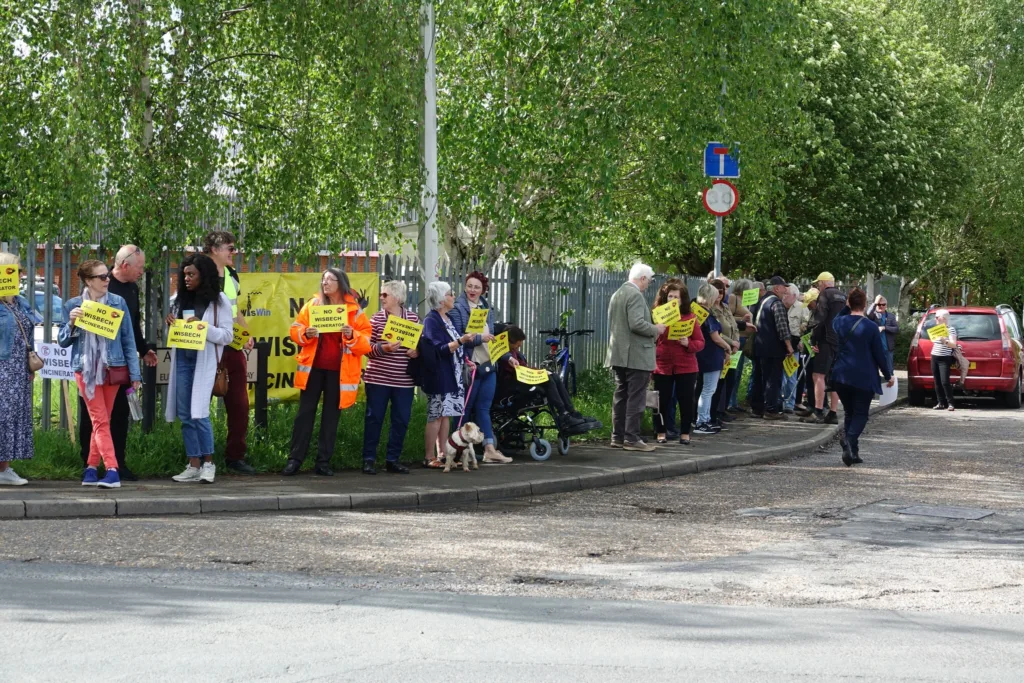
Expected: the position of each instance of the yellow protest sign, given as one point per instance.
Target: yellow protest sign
(790, 365)
(99, 319)
(183, 335)
(666, 313)
(241, 337)
(499, 347)
(750, 296)
(808, 346)
(329, 318)
(9, 280)
(699, 311)
(937, 332)
(401, 330)
(734, 361)
(531, 376)
(683, 328)
(477, 321)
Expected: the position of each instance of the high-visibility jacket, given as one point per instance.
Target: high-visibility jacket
(352, 350)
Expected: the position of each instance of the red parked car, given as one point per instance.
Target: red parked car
(991, 342)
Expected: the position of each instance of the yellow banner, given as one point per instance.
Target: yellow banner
(99, 319)
(734, 361)
(241, 337)
(750, 296)
(9, 281)
(477, 321)
(499, 347)
(937, 332)
(790, 365)
(699, 311)
(270, 302)
(666, 313)
(183, 335)
(677, 331)
(328, 318)
(402, 330)
(531, 376)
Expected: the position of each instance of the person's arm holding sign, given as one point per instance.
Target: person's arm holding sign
(637, 320)
(300, 331)
(68, 332)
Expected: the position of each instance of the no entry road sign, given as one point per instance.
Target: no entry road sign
(718, 163)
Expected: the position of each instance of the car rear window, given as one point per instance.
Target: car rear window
(972, 326)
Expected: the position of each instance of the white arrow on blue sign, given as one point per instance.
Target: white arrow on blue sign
(718, 163)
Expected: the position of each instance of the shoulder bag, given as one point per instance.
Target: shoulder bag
(34, 362)
(839, 348)
(221, 382)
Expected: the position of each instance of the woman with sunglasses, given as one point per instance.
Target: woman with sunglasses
(101, 366)
(879, 314)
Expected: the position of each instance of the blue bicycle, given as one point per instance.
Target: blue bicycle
(559, 360)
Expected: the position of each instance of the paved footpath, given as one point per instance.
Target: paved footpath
(747, 441)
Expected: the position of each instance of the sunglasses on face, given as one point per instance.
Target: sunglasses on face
(881, 305)
(105, 276)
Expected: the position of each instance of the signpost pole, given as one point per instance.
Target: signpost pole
(718, 246)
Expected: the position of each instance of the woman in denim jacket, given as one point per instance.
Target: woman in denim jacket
(98, 362)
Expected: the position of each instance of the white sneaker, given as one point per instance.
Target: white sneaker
(207, 473)
(497, 458)
(190, 474)
(10, 478)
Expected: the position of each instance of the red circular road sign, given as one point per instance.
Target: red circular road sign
(721, 198)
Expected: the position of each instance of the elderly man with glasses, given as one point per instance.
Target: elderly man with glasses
(879, 313)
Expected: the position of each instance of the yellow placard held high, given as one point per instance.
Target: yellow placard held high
(183, 335)
(531, 376)
(499, 347)
(666, 313)
(683, 328)
(937, 332)
(241, 338)
(477, 321)
(329, 318)
(699, 311)
(9, 280)
(403, 331)
(790, 365)
(99, 319)
(750, 296)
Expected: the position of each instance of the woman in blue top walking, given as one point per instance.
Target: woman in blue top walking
(860, 357)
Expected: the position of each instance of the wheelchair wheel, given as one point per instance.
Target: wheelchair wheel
(563, 445)
(540, 449)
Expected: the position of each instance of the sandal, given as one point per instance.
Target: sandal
(662, 439)
(433, 464)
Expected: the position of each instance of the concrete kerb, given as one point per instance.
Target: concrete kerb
(65, 507)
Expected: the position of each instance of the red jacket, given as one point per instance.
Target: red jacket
(675, 359)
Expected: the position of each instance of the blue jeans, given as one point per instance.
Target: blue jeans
(706, 394)
(479, 407)
(856, 409)
(789, 387)
(197, 432)
(377, 398)
(734, 395)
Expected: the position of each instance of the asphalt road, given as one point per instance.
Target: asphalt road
(798, 570)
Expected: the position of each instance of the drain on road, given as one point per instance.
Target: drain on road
(945, 511)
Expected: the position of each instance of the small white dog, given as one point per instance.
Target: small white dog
(461, 443)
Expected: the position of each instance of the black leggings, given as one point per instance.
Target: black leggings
(940, 373)
(672, 389)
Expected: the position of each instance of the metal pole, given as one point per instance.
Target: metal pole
(427, 239)
(47, 288)
(718, 246)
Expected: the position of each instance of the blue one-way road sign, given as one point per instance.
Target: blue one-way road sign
(718, 163)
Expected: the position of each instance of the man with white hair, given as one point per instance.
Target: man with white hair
(795, 307)
(631, 356)
(880, 314)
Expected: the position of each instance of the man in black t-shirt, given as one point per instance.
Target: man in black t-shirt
(129, 266)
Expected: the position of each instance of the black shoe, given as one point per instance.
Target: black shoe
(814, 419)
(291, 468)
(831, 418)
(703, 429)
(718, 426)
(725, 417)
(856, 460)
(396, 468)
(324, 471)
(240, 466)
(672, 436)
(684, 442)
(754, 413)
(126, 474)
(847, 454)
(369, 467)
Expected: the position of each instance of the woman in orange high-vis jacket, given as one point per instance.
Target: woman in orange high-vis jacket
(329, 363)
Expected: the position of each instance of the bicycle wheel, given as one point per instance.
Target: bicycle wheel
(570, 378)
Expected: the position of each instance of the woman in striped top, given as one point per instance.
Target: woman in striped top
(387, 380)
(942, 359)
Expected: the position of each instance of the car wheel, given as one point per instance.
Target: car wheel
(1012, 398)
(916, 397)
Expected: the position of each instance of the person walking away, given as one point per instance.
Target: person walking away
(806, 382)
(675, 371)
(823, 341)
(860, 358)
(129, 266)
(387, 381)
(710, 359)
(193, 373)
(17, 327)
(220, 246)
(771, 346)
(329, 365)
(942, 360)
(101, 366)
(795, 309)
(879, 314)
(631, 356)
(478, 359)
(741, 314)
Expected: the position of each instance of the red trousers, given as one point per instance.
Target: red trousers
(236, 404)
(101, 444)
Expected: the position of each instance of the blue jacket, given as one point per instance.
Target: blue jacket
(861, 358)
(121, 349)
(437, 361)
(460, 318)
(712, 356)
(9, 328)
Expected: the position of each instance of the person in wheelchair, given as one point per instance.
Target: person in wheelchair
(569, 420)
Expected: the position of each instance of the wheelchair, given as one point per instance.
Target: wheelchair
(522, 419)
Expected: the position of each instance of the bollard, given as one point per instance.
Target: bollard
(262, 358)
(148, 398)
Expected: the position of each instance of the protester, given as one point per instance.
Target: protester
(631, 356)
(879, 314)
(478, 359)
(220, 246)
(129, 266)
(387, 381)
(942, 359)
(442, 356)
(771, 346)
(810, 302)
(795, 307)
(731, 329)
(101, 366)
(675, 372)
(17, 325)
(823, 340)
(762, 293)
(742, 315)
(860, 357)
(190, 387)
(710, 359)
(329, 365)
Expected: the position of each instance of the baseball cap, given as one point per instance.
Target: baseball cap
(777, 281)
(810, 295)
(825, 276)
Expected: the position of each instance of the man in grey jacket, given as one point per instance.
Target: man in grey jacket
(880, 314)
(631, 356)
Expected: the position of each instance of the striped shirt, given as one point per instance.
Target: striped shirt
(941, 349)
(387, 369)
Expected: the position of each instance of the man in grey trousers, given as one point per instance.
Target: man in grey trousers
(631, 357)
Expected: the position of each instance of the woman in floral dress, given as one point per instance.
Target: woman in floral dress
(17, 326)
